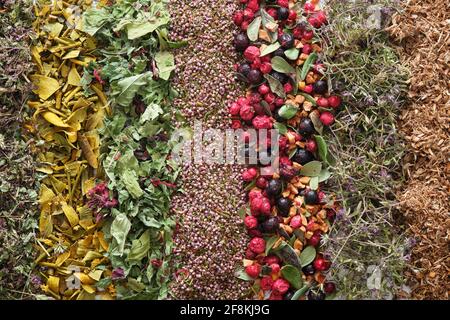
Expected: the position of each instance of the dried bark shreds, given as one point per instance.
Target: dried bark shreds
(423, 33)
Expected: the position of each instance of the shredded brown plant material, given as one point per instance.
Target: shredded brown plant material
(422, 31)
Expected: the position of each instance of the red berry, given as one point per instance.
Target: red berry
(247, 112)
(321, 264)
(309, 7)
(249, 254)
(265, 67)
(326, 118)
(322, 102)
(320, 15)
(283, 3)
(272, 12)
(249, 174)
(275, 267)
(266, 283)
(243, 100)
(329, 287)
(261, 183)
(253, 270)
(334, 101)
(297, 32)
(236, 124)
(257, 245)
(269, 97)
(255, 233)
(265, 207)
(307, 34)
(255, 204)
(308, 88)
(311, 145)
(250, 222)
(251, 53)
(288, 87)
(315, 239)
(314, 22)
(269, 260)
(263, 89)
(279, 102)
(262, 122)
(274, 296)
(296, 222)
(234, 109)
(307, 49)
(256, 64)
(285, 161)
(238, 17)
(253, 5)
(280, 286)
(253, 194)
(244, 25)
(292, 15)
(248, 14)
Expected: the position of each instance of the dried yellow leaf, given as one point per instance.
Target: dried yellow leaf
(54, 119)
(46, 86)
(72, 54)
(87, 151)
(74, 77)
(71, 214)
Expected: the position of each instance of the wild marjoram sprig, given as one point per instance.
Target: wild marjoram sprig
(136, 66)
(366, 246)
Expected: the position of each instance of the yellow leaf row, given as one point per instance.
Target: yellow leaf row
(71, 245)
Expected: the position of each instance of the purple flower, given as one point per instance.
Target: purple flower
(118, 273)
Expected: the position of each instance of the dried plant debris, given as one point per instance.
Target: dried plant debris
(366, 244)
(422, 32)
(72, 251)
(18, 196)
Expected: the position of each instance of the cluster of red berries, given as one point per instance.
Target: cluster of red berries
(283, 203)
(99, 198)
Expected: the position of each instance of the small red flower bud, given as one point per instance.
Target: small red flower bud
(264, 89)
(248, 14)
(247, 112)
(253, 5)
(261, 183)
(269, 260)
(307, 48)
(250, 222)
(244, 25)
(280, 286)
(307, 34)
(234, 109)
(272, 12)
(236, 124)
(238, 17)
(283, 3)
(253, 270)
(266, 283)
(279, 102)
(257, 245)
(249, 174)
(251, 53)
(269, 97)
(265, 67)
(262, 122)
(275, 267)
